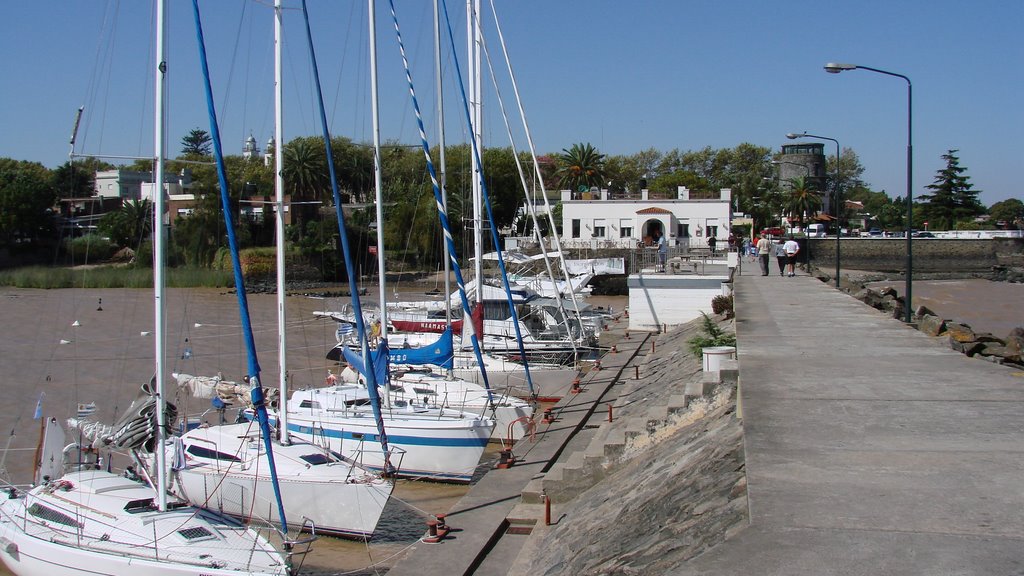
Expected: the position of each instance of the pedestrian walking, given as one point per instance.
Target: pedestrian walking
(764, 251)
(712, 242)
(791, 247)
(780, 256)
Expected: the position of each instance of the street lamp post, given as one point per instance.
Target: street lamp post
(836, 68)
(839, 224)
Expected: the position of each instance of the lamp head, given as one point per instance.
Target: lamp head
(793, 136)
(836, 68)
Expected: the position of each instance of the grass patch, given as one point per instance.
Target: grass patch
(112, 277)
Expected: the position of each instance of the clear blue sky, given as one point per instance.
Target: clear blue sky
(624, 76)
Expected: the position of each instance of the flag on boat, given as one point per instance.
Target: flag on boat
(86, 410)
(344, 330)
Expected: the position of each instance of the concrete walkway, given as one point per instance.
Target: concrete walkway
(870, 447)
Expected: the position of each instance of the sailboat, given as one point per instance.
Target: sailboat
(226, 468)
(94, 521)
(435, 443)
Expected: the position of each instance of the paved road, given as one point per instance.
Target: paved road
(871, 449)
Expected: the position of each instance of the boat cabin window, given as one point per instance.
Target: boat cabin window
(202, 452)
(316, 459)
(310, 404)
(51, 515)
(195, 533)
(140, 505)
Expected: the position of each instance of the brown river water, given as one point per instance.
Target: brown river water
(109, 354)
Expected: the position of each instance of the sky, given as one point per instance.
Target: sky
(623, 76)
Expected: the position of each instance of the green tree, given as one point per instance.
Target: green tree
(1009, 211)
(306, 176)
(802, 199)
(27, 197)
(953, 198)
(131, 225)
(197, 143)
(581, 165)
(77, 179)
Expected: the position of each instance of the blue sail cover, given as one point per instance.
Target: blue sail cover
(380, 366)
(440, 353)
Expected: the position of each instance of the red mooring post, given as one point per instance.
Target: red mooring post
(547, 510)
(637, 372)
(609, 412)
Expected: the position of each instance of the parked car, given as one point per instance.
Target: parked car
(875, 232)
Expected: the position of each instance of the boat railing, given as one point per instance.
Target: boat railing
(292, 546)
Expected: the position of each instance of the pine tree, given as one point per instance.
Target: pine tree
(953, 199)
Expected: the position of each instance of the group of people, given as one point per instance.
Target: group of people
(784, 251)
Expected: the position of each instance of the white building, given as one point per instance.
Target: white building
(596, 220)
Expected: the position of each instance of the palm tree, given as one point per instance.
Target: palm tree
(305, 174)
(803, 199)
(580, 166)
(130, 225)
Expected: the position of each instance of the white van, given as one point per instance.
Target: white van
(815, 230)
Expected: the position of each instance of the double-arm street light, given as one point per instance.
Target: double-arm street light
(838, 211)
(836, 68)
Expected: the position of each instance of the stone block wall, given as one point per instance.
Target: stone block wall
(930, 254)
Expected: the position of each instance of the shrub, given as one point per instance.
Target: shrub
(89, 249)
(713, 336)
(722, 305)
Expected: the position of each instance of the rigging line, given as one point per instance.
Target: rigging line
(361, 43)
(490, 213)
(531, 209)
(231, 68)
(90, 88)
(105, 78)
(145, 77)
(536, 165)
(254, 369)
(368, 361)
(442, 214)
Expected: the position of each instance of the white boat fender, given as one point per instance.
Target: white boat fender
(10, 548)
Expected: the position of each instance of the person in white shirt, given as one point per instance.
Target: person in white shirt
(791, 247)
(764, 251)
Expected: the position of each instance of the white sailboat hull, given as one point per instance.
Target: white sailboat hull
(80, 524)
(441, 445)
(226, 469)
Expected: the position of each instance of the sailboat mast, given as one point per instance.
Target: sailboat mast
(473, 79)
(282, 338)
(159, 344)
(441, 161)
(378, 181)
